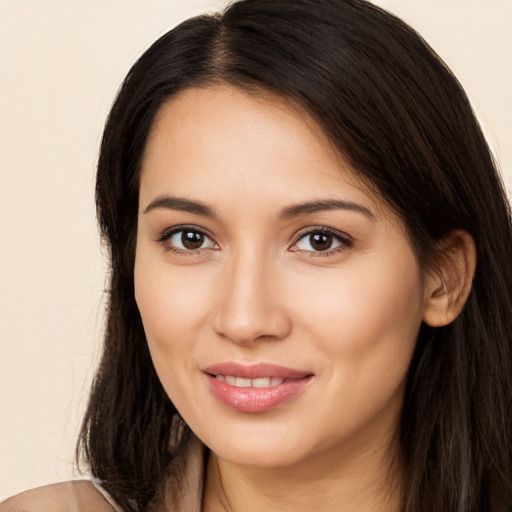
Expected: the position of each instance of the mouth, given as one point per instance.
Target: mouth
(260, 382)
(255, 388)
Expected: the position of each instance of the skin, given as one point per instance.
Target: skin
(257, 291)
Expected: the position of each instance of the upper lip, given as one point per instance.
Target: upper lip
(255, 371)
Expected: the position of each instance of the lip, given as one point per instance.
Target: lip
(255, 371)
(251, 399)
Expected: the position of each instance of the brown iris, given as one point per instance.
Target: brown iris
(320, 241)
(192, 239)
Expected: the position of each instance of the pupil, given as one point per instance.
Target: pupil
(192, 239)
(321, 241)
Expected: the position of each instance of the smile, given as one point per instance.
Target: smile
(255, 388)
(241, 382)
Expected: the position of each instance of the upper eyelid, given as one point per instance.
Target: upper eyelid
(322, 229)
(166, 233)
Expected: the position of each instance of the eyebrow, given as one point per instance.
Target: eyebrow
(197, 208)
(324, 205)
(182, 204)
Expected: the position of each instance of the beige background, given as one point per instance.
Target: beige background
(61, 62)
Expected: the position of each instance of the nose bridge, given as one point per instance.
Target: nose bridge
(250, 307)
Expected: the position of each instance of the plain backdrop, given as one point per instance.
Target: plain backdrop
(61, 62)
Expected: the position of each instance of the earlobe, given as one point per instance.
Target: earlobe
(448, 286)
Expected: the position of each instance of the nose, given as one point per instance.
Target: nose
(250, 303)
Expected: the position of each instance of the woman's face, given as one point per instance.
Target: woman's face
(280, 298)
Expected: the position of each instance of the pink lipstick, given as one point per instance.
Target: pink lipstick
(254, 388)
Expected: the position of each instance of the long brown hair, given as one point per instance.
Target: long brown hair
(402, 120)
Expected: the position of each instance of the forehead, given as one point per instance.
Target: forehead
(226, 109)
(210, 140)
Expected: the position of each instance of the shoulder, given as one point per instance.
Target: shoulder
(73, 496)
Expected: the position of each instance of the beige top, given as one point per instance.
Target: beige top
(182, 494)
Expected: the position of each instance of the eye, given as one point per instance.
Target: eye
(321, 240)
(187, 239)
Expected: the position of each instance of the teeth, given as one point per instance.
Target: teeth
(240, 382)
(230, 380)
(243, 383)
(263, 382)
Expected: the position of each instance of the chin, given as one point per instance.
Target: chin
(258, 444)
(270, 456)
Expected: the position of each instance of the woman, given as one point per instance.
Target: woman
(310, 281)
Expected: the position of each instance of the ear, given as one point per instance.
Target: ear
(448, 285)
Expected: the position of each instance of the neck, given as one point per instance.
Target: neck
(368, 483)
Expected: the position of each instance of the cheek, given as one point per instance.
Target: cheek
(365, 328)
(169, 299)
(366, 320)
(173, 309)
(163, 318)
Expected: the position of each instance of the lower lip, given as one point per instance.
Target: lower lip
(255, 399)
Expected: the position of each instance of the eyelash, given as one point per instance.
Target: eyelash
(165, 237)
(345, 242)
